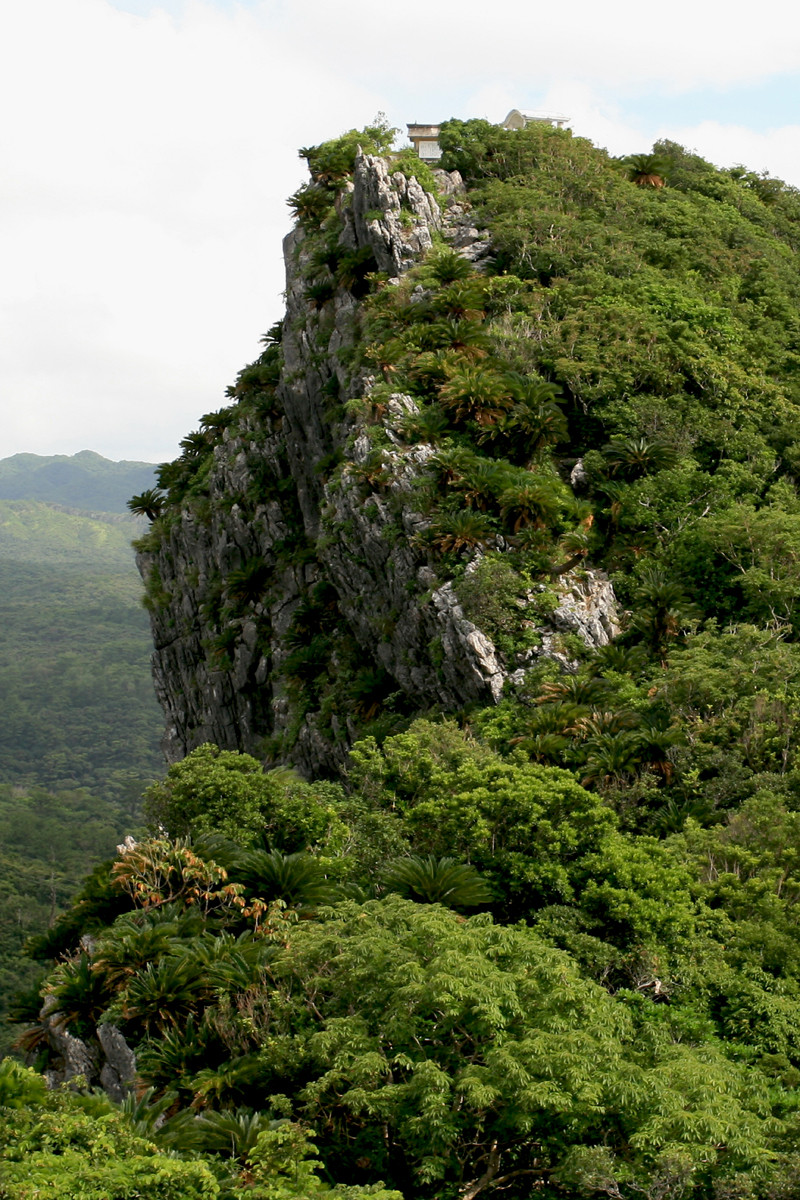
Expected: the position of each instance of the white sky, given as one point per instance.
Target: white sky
(148, 147)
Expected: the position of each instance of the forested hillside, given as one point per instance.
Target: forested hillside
(80, 729)
(486, 585)
(77, 698)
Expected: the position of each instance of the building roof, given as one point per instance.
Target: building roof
(522, 117)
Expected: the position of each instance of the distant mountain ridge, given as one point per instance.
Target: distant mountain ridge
(84, 481)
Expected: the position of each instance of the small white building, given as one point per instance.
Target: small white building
(517, 119)
(425, 139)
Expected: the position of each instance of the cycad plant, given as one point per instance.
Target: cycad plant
(463, 300)
(531, 499)
(429, 424)
(661, 609)
(574, 547)
(429, 369)
(534, 422)
(646, 170)
(296, 879)
(227, 1083)
(230, 1134)
(173, 1057)
(561, 719)
(80, 994)
(453, 533)
(165, 994)
(446, 265)
(585, 690)
(132, 943)
(633, 457)
(146, 1112)
(476, 393)
(452, 464)
(612, 758)
(149, 503)
(622, 660)
(433, 880)
(246, 585)
(544, 747)
(482, 482)
(467, 338)
(310, 204)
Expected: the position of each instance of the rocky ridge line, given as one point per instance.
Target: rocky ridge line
(268, 494)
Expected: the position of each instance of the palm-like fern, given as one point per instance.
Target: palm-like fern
(247, 584)
(461, 299)
(429, 369)
(227, 1082)
(175, 1055)
(612, 758)
(635, 456)
(145, 1112)
(574, 689)
(165, 994)
(646, 170)
(468, 338)
(447, 266)
(438, 881)
(296, 879)
(231, 1134)
(662, 610)
(149, 503)
(129, 947)
(530, 500)
(476, 393)
(80, 994)
(428, 425)
(482, 482)
(454, 532)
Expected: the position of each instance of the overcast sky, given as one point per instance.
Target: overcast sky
(148, 147)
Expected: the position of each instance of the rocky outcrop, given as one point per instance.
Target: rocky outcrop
(304, 549)
(379, 201)
(105, 1061)
(71, 1059)
(118, 1072)
(460, 638)
(588, 607)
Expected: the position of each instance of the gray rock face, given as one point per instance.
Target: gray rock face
(379, 199)
(118, 1072)
(71, 1058)
(462, 639)
(348, 538)
(578, 476)
(588, 607)
(109, 1062)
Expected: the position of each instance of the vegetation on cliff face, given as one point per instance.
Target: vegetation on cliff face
(615, 385)
(543, 946)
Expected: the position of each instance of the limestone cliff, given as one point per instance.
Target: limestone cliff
(293, 595)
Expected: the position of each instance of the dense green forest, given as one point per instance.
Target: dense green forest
(79, 737)
(547, 948)
(79, 709)
(48, 843)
